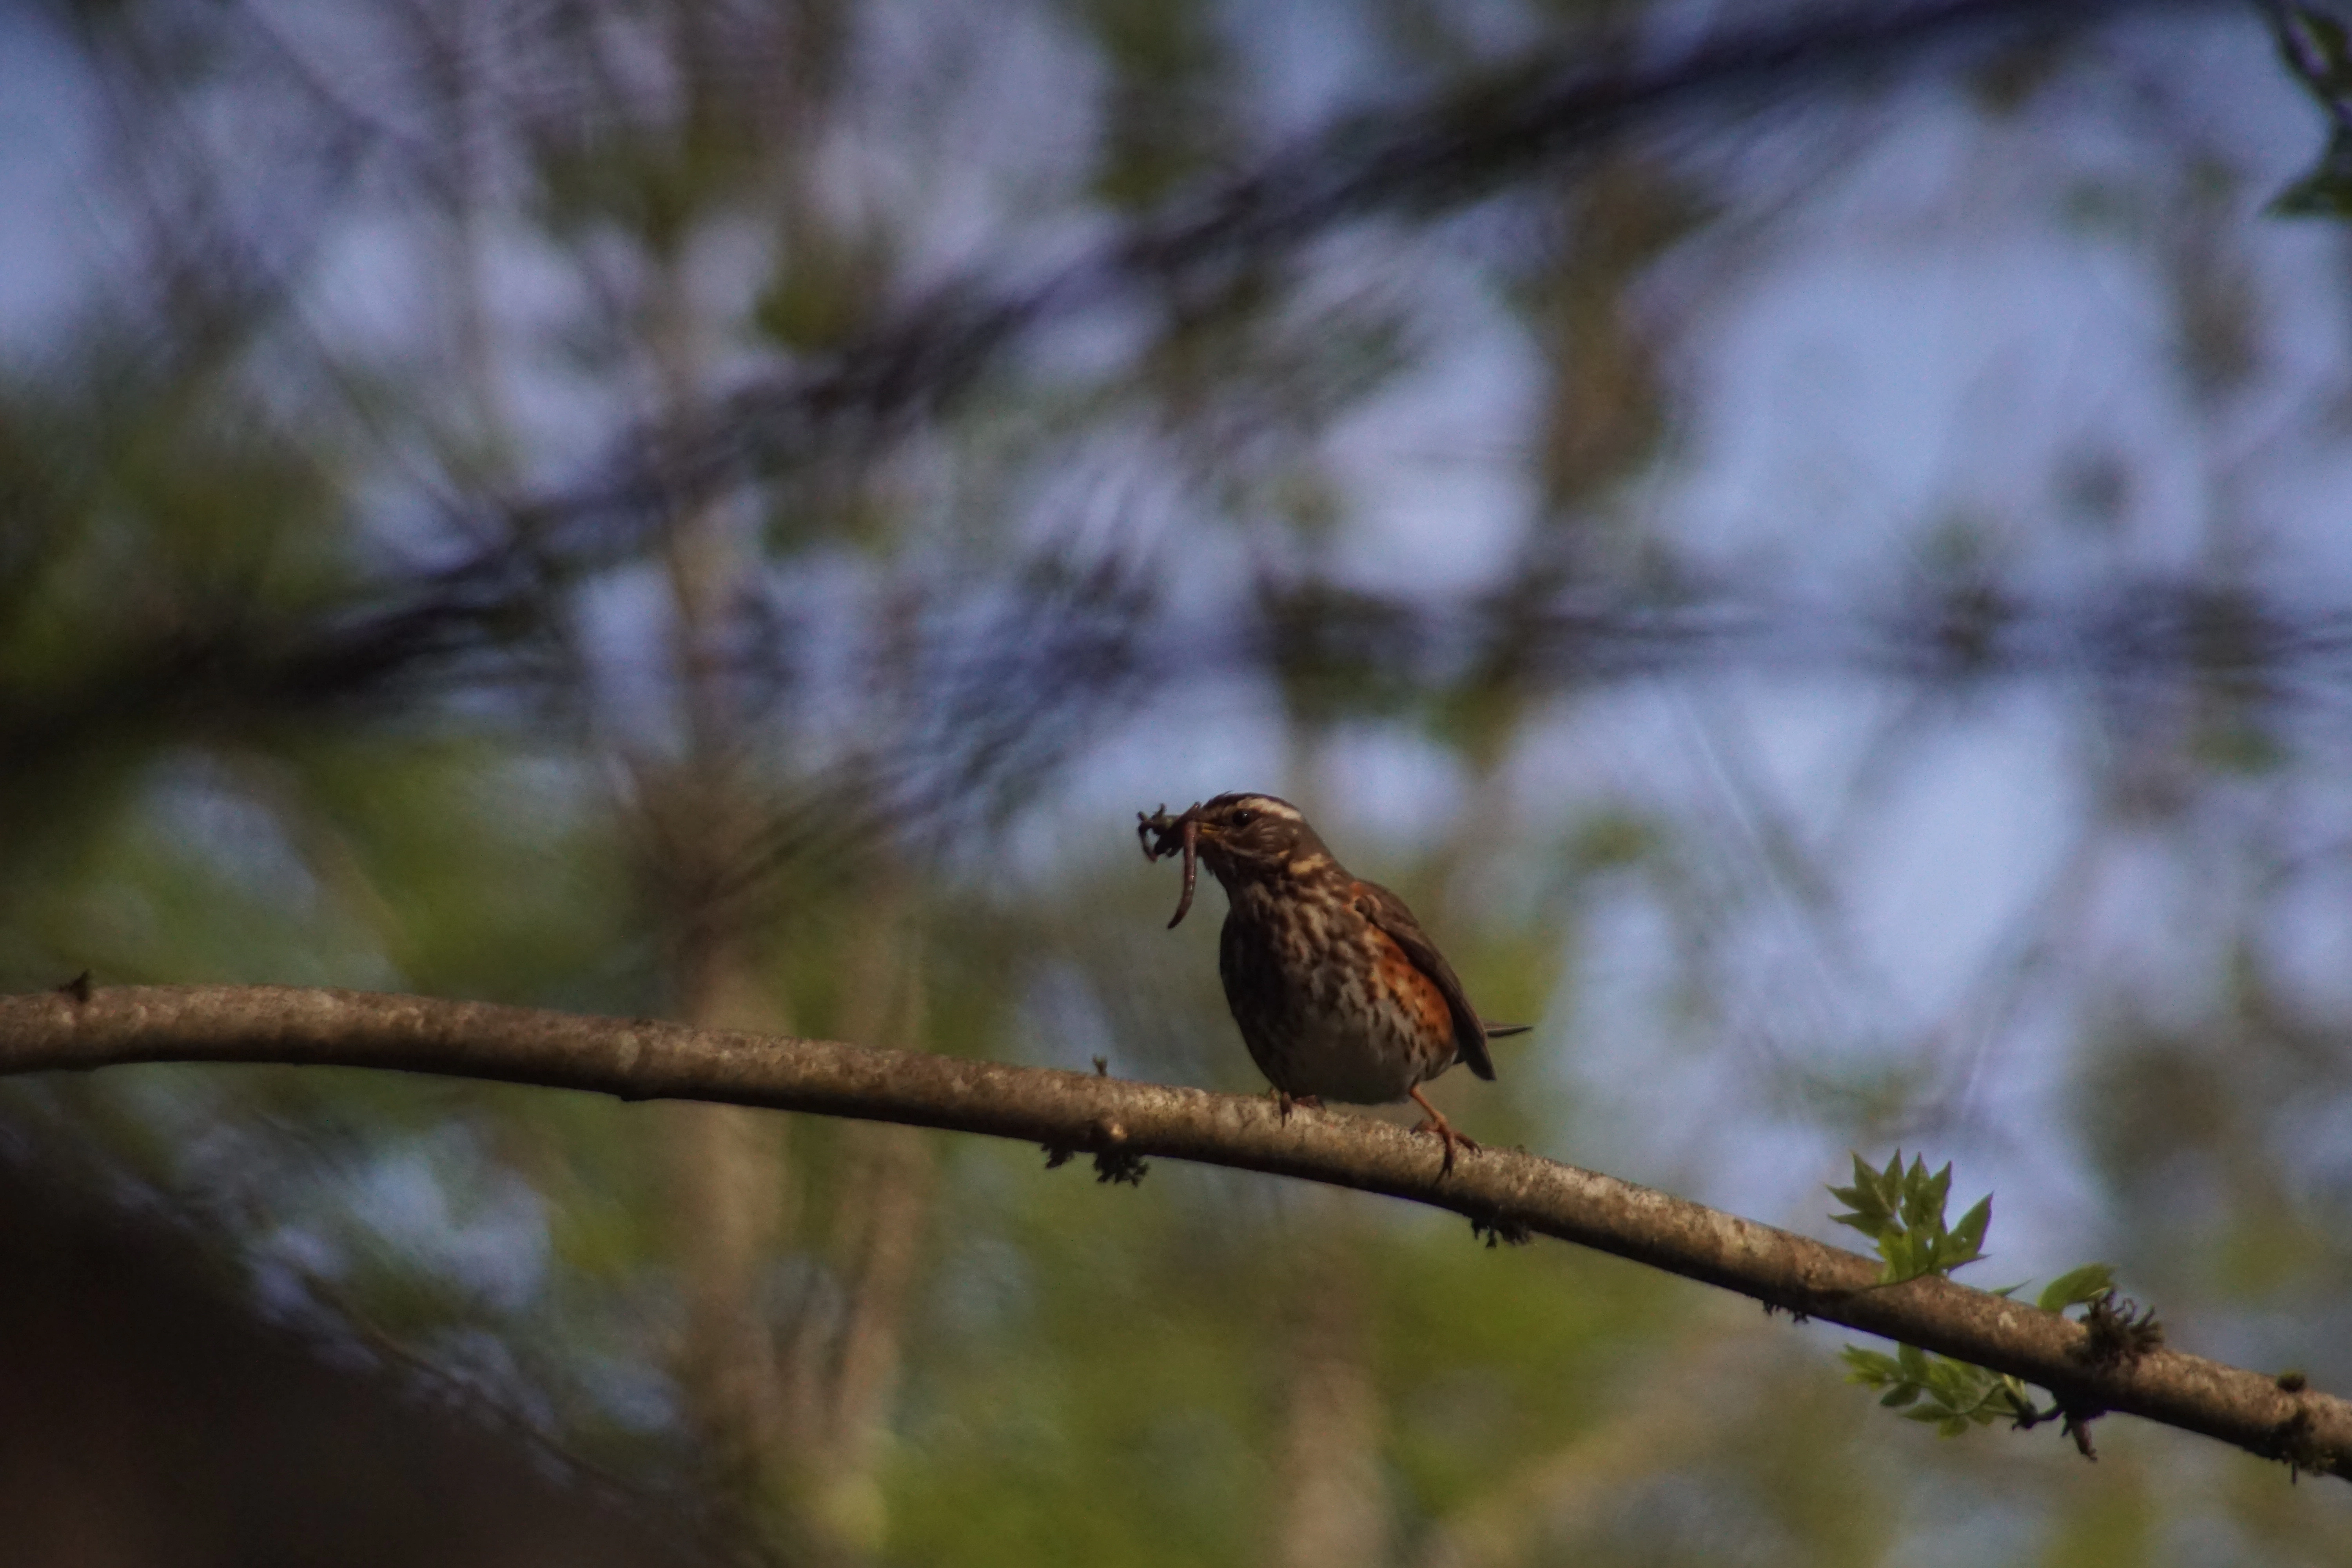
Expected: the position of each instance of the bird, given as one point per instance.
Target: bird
(1338, 993)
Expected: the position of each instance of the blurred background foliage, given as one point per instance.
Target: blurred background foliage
(1808, 543)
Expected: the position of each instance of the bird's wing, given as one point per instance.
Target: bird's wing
(1387, 912)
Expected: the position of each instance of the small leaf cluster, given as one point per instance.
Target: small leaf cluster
(1951, 1394)
(1113, 1166)
(1902, 1212)
(1954, 1395)
(1900, 1209)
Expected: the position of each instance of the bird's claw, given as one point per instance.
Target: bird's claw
(1284, 1102)
(1435, 1122)
(1451, 1139)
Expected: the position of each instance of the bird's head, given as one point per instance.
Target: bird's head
(1243, 837)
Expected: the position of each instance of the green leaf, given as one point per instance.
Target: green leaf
(1950, 1395)
(2076, 1285)
(1901, 1208)
(1924, 1195)
(1870, 1367)
(1966, 1244)
(1870, 1199)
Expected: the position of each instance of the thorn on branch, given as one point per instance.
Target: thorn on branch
(2077, 1425)
(2118, 1331)
(1112, 1163)
(1119, 1165)
(2075, 1422)
(1500, 1229)
(78, 987)
(2291, 1440)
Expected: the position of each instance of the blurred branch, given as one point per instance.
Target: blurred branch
(463, 1393)
(2317, 47)
(389, 635)
(1504, 1193)
(1456, 146)
(2313, 44)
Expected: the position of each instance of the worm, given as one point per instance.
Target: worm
(1155, 831)
(1191, 867)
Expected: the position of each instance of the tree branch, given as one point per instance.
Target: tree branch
(1507, 1191)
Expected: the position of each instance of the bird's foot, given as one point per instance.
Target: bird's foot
(1283, 1101)
(1435, 1122)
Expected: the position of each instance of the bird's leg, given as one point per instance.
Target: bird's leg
(1436, 1122)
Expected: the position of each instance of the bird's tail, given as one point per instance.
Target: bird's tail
(1503, 1031)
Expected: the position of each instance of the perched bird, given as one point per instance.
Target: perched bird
(1339, 991)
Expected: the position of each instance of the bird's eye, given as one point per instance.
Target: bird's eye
(1242, 819)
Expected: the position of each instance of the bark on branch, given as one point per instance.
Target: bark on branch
(637, 1059)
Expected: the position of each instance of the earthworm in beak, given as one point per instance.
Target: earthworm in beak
(1156, 831)
(1191, 867)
